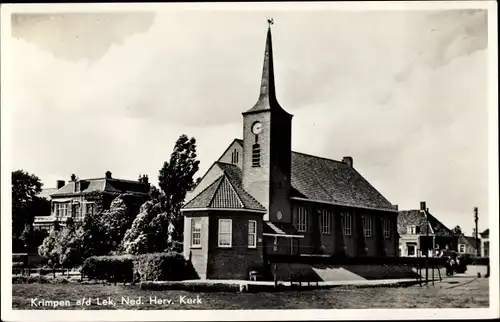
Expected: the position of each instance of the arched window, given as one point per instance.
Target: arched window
(256, 155)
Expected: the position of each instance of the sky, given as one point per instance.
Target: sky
(405, 93)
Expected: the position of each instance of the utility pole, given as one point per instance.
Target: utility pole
(476, 218)
(427, 249)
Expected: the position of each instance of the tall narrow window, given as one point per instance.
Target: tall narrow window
(234, 156)
(89, 208)
(387, 228)
(252, 234)
(367, 223)
(225, 231)
(301, 219)
(77, 212)
(195, 232)
(325, 221)
(347, 223)
(256, 155)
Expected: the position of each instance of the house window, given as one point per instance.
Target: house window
(195, 232)
(325, 221)
(412, 249)
(225, 232)
(301, 219)
(77, 213)
(256, 155)
(387, 228)
(252, 234)
(367, 225)
(89, 208)
(62, 210)
(347, 223)
(461, 248)
(412, 230)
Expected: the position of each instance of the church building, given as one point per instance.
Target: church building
(262, 198)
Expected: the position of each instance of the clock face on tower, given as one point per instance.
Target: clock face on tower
(256, 128)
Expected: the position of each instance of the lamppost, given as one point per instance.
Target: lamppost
(476, 218)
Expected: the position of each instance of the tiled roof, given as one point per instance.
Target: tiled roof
(104, 185)
(332, 181)
(417, 218)
(224, 193)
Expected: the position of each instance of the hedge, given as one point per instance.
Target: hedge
(38, 279)
(117, 268)
(128, 268)
(162, 267)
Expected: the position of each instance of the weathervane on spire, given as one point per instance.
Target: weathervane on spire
(270, 21)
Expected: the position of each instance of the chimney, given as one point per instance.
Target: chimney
(60, 184)
(422, 205)
(348, 161)
(108, 174)
(73, 177)
(396, 207)
(145, 179)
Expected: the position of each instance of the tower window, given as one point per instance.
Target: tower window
(256, 155)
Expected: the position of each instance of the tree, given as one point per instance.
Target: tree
(175, 180)
(149, 231)
(457, 231)
(25, 188)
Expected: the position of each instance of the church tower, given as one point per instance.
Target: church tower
(267, 130)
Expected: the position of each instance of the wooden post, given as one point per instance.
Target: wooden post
(54, 272)
(274, 277)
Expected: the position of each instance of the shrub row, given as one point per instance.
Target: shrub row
(38, 279)
(148, 267)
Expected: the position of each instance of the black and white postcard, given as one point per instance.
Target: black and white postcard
(262, 161)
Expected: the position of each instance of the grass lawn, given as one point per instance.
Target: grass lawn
(450, 293)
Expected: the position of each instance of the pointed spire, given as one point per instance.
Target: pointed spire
(267, 98)
(267, 83)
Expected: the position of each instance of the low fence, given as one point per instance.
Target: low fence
(27, 271)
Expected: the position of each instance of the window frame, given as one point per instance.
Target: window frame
(253, 235)
(368, 225)
(347, 219)
(459, 248)
(302, 213)
(230, 233)
(326, 221)
(191, 239)
(386, 228)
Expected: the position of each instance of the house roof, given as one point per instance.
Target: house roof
(485, 234)
(224, 193)
(45, 193)
(279, 229)
(468, 239)
(331, 181)
(418, 218)
(101, 184)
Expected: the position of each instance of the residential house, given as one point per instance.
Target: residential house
(420, 231)
(485, 243)
(467, 245)
(75, 199)
(261, 198)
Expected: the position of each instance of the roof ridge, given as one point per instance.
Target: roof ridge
(318, 157)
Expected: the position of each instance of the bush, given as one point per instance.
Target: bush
(109, 268)
(162, 267)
